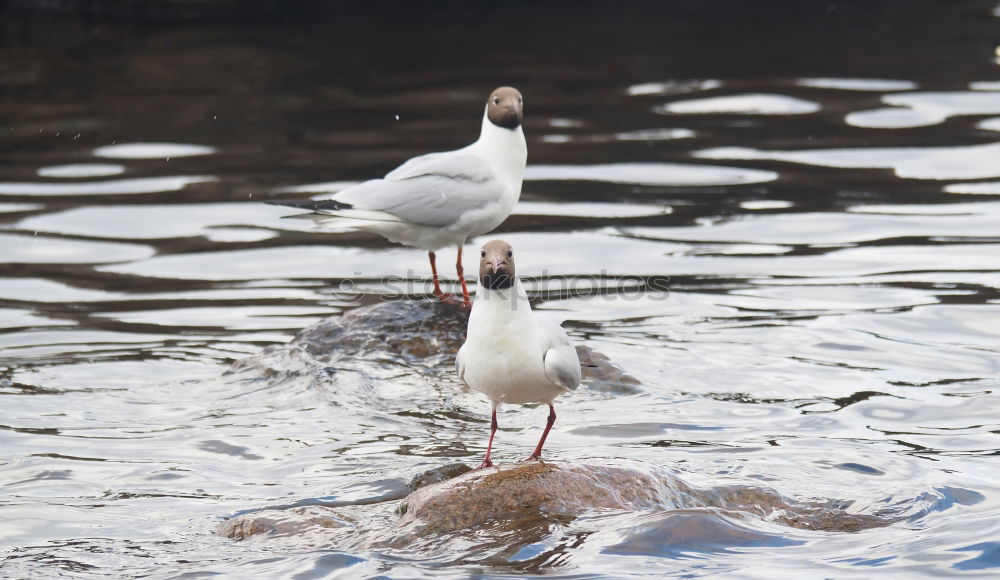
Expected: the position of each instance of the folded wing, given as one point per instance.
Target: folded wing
(434, 190)
(562, 365)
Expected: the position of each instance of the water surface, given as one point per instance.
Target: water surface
(814, 185)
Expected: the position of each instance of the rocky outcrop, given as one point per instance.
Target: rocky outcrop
(514, 491)
(529, 495)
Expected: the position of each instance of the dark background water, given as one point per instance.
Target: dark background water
(828, 230)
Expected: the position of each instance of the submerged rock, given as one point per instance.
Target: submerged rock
(426, 333)
(528, 489)
(603, 375)
(278, 522)
(437, 475)
(523, 502)
(413, 329)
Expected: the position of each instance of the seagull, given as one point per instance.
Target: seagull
(441, 199)
(509, 355)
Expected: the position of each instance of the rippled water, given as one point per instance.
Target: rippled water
(817, 186)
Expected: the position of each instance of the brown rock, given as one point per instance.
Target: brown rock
(528, 489)
(417, 329)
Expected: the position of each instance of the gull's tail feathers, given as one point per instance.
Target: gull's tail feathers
(335, 213)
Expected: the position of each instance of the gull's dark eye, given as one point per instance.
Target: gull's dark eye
(482, 253)
(496, 100)
(510, 253)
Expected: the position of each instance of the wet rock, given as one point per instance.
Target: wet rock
(372, 338)
(437, 475)
(277, 522)
(523, 503)
(401, 330)
(358, 357)
(529, 489)
(603, 375)
(414, 329)
(323, 523)
(526, 491)
(804, 515)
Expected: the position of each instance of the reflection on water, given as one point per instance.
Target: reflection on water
(648, 174)
(81, 170)
(790, 245)
(959, 162)
(925, 108)
(875, 85)
(111, 187)
(754, 104)
(151, 150)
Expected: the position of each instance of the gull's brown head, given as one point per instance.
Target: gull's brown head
(496, 265)
(505, 108)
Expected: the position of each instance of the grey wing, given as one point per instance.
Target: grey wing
(420, 165)
(562, 364)
(434, 190)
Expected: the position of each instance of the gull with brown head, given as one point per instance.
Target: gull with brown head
(509, 354)
(441, 199)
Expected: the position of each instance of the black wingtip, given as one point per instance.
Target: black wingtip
(310, 204)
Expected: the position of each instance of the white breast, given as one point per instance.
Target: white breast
(503, 355)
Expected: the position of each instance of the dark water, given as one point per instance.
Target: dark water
(818, 183)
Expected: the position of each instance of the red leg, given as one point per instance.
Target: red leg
(466, 301)
(489, 446)
(434, 272)
(447, 298)
(548, 426)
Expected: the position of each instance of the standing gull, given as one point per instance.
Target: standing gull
(441, 199)
(508, 355)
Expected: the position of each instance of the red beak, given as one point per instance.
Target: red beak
(495, 264)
